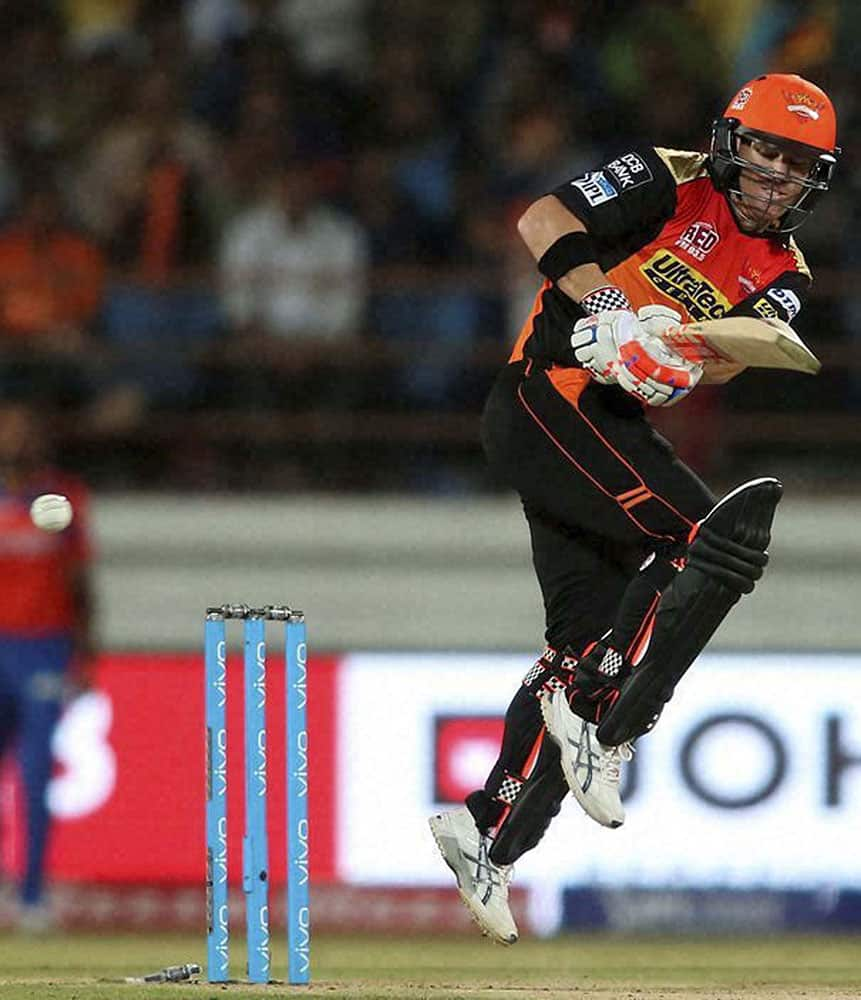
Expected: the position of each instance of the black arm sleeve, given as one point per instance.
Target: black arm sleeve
(782, 299)
(625, 202)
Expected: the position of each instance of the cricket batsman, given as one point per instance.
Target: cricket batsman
(637, 561)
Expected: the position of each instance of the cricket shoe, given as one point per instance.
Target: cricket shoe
(483, 886)
(593, 771)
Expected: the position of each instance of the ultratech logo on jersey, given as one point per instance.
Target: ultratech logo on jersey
(595, 188)
(630, 171)
(699, 239)
(686, 285)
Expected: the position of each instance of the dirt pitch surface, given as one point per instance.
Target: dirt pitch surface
(80, 967)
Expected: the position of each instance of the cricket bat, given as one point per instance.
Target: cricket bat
(726, 346)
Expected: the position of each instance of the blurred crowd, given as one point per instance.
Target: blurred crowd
(271, 242)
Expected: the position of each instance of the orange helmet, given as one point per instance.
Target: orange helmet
(786, 106)
(785, 110)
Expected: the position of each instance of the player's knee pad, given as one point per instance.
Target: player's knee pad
(726, 558)
(736, 566)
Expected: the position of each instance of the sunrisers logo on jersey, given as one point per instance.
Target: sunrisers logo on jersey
(686, 285)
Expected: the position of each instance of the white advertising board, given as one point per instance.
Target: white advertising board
(751, 779)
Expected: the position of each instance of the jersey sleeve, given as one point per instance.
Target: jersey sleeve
(781, 299)
(632, 194)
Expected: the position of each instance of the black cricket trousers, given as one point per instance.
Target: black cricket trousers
(601, 490)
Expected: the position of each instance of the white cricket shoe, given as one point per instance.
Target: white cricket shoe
(592, 770)
(483, 886)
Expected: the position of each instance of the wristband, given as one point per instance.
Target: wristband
(603, 298)
(570, 250)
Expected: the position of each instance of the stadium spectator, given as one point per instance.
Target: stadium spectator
(470, 101)
(51, 290)
(93, 27)
(294, 284)
(330, 36)
(660, 47)
(145, 190)
(46, 638)
(424, 316)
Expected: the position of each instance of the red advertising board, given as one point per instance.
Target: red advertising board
(128, 794)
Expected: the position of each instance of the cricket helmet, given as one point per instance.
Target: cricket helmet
(787, 111)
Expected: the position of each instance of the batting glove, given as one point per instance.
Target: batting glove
(596, 341)
(648, 369)
(656, 319)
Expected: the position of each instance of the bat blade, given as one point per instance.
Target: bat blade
(743, 341)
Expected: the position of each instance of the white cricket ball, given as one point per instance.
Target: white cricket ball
(51, 512)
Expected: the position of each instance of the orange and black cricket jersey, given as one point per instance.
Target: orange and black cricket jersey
(665, 235)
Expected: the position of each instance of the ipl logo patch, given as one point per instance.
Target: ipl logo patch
(595, 188)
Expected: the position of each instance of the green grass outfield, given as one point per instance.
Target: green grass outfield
(445, 968)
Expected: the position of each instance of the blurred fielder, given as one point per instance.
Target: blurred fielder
(637, 561)
(45, 643)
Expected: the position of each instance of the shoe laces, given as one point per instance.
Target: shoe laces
(611, 762)
(485, 869)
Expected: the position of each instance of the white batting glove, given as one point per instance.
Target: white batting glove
(596, 341)
(617, 346)
(655, 319)
(651, 371)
